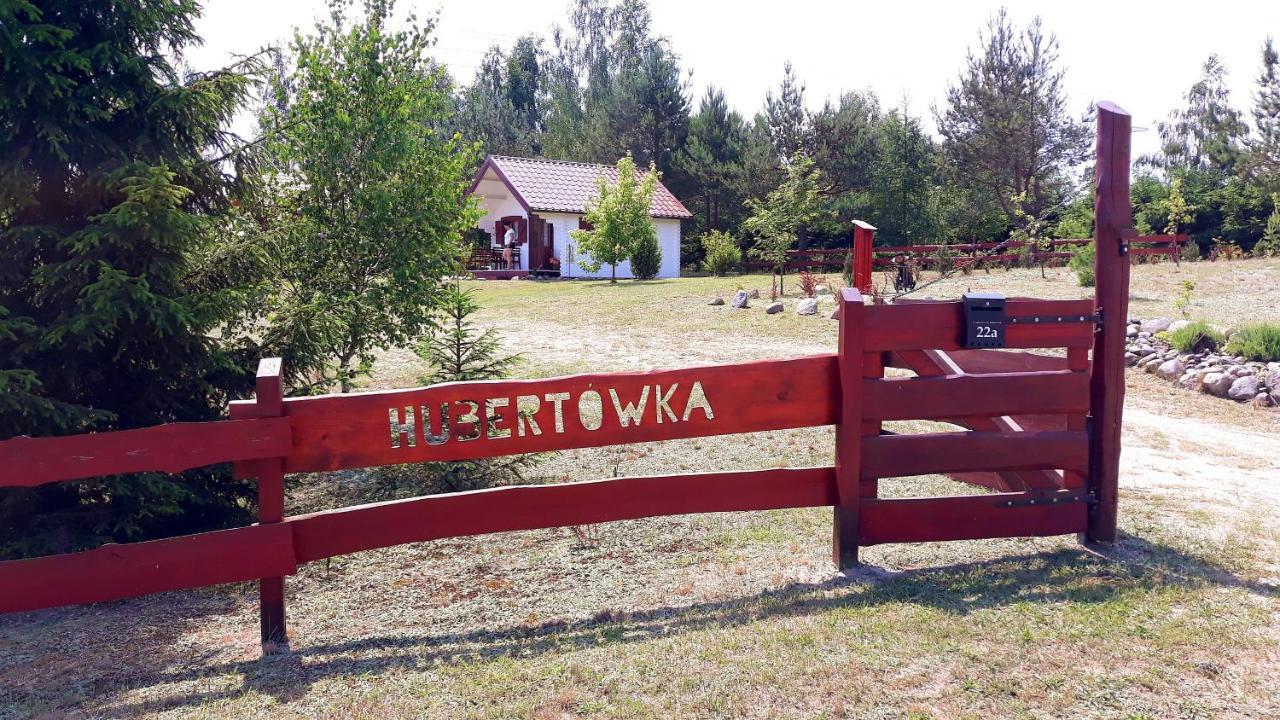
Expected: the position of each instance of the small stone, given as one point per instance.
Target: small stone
(835, 314)
(1171, 369)
(1131, 331)
(807, 306)
(1262, 400)
(1272, 380)
(1190, 380)
(1177, 325)
(822, 290)
(716, 301)
(1245, 388)
(755, 294)
(1130, 359)
(739, 300)
(773, 308)
(1216, 383)
(1155, 325)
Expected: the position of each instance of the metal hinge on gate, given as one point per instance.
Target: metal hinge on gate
(1059, 498)
(1096, 319)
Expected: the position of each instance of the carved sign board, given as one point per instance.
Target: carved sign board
(472, 420)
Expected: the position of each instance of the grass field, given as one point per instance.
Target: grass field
(741, 615)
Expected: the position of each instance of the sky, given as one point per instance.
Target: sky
(1141, 55)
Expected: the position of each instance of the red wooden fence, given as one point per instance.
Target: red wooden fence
(1021, 416)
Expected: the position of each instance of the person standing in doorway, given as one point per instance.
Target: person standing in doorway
(508, 242)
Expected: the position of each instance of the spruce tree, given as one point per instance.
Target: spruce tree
(110, 315)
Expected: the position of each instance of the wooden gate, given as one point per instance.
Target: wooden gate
(1040, 430)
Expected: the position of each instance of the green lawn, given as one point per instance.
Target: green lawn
(738, 614)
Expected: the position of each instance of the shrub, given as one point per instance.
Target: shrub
(1191, 251)
(1082, 263)
(809, 283)
(1269, 245)
(721, 251)
(1256, 342)
(646, 259)
(1195, 337)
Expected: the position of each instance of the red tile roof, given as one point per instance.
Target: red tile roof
(562, 186)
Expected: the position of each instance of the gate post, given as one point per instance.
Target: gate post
(1113, 215)
(844, 550)
(268, 402)
(863, 258)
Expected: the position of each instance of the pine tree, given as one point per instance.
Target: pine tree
(711, 158)
(1006, 131)
(789, 122)
(1265, 160)
(1208, 134)
(1269, 245)
(110, 315)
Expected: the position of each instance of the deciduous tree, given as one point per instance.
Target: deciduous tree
(368, 202)
(619, 219)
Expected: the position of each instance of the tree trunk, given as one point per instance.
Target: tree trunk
(613, 274)
(344, 374)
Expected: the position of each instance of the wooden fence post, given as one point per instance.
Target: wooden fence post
(268, 402)
(844, 550)
(863, 258)
(1112, 231)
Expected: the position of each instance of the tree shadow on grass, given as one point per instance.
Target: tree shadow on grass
(1082, 575)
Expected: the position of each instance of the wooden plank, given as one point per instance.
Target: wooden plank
(28, 462)
(844, 529)
(939, 325)
(269, 402)
(930, 453)
(1112, 223)
(971, 517)
(338, 532)
(112, 572)
(1004, 361)
(935, 363)
(347, 431)
(962, 396)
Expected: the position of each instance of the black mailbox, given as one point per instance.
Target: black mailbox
(984, 320)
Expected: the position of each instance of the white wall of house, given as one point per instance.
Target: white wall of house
(565, 223)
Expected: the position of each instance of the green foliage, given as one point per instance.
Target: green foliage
(1176, 208)
(711, 160)
(903, 191)
(795, 203)
(1076, 221)
(646, 259)
(619, 219)
(114, 313)
(1183, 301)
(1005, 128)
(1195, 337)
(1269, 245)
(1082, 263)
(367, 198)
(1207, 134)
(1260, 342)
(459, 351)
(721, 252)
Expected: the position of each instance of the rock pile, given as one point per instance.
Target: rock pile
(1212, 372)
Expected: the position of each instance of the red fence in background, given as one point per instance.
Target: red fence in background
(1021, 418)
(972, 254)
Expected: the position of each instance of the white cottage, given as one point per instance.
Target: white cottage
(543, 201)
